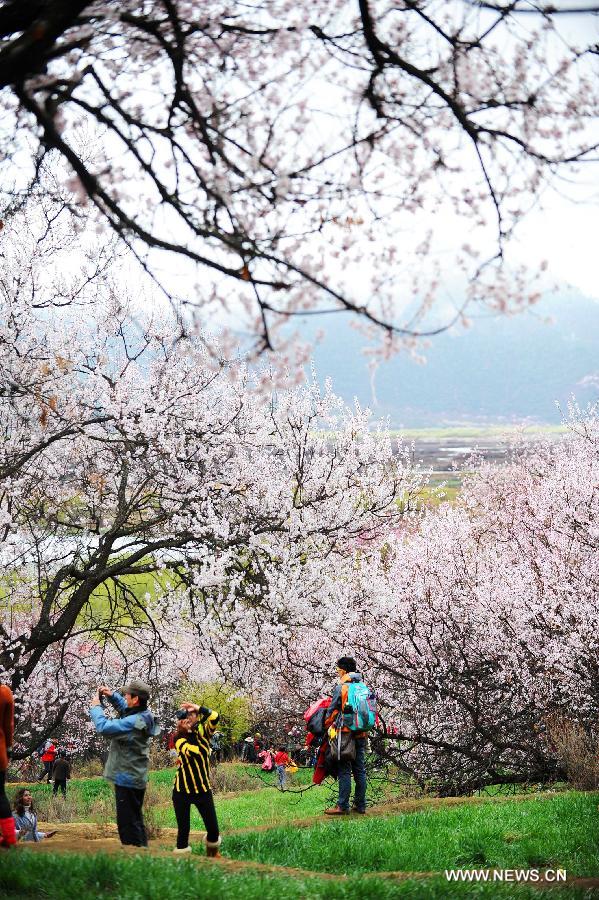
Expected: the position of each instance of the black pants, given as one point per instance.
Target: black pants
(62, 784)
(129, 818)
(204, 804)
(47, 773)
(5, 810)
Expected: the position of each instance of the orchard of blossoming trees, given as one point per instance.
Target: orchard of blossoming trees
(477, 625)
(294, 154)
(268, 536)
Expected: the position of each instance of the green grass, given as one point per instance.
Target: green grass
(90, 798)
(25, 875)
(103, 598)
(556, 832)
(84, 795)
(269, 807)
(432, 496)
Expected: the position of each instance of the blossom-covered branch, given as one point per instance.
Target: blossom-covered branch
(294, 156)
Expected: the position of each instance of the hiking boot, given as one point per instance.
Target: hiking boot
(212, 849)
(336, 811)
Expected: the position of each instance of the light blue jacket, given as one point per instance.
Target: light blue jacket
(28, 829)
(130, 737)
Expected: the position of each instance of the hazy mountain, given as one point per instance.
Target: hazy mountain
(501, 369)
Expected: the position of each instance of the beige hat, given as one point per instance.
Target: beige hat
(137, 687)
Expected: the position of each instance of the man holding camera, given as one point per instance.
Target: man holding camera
(129, 754)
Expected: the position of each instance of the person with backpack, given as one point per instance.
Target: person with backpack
(351, 710)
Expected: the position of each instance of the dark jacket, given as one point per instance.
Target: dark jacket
(61, 770)
(131, 734)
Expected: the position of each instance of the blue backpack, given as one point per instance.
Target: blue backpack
(359, 711)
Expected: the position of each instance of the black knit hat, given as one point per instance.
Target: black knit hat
(347, 663)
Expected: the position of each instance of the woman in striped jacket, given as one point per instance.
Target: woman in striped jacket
(196, 726)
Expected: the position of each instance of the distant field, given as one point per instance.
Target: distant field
(479, 432)
(447, 452)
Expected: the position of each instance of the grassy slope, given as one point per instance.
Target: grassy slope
(557, 832)
(91, 799)
(266, 806)
(64, 877)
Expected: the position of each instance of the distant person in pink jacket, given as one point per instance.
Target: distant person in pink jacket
(282, 759)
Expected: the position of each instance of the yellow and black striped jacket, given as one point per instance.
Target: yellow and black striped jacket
(193, 766)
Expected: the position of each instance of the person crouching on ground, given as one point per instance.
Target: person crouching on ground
(192, 783)
(281, 760)
(129, 754)
(26, 819)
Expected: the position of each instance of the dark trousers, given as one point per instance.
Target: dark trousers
(5, 810)
(357, 768)
(60, 783)
(47, 773)
(129, 818)
(204, 804)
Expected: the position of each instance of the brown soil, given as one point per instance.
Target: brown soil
(85, 838)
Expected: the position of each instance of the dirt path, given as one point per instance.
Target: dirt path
(85, 838)
(91, 837)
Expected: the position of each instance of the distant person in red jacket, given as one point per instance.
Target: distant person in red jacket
(8, 835)
(48, 757)
(281, 760)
